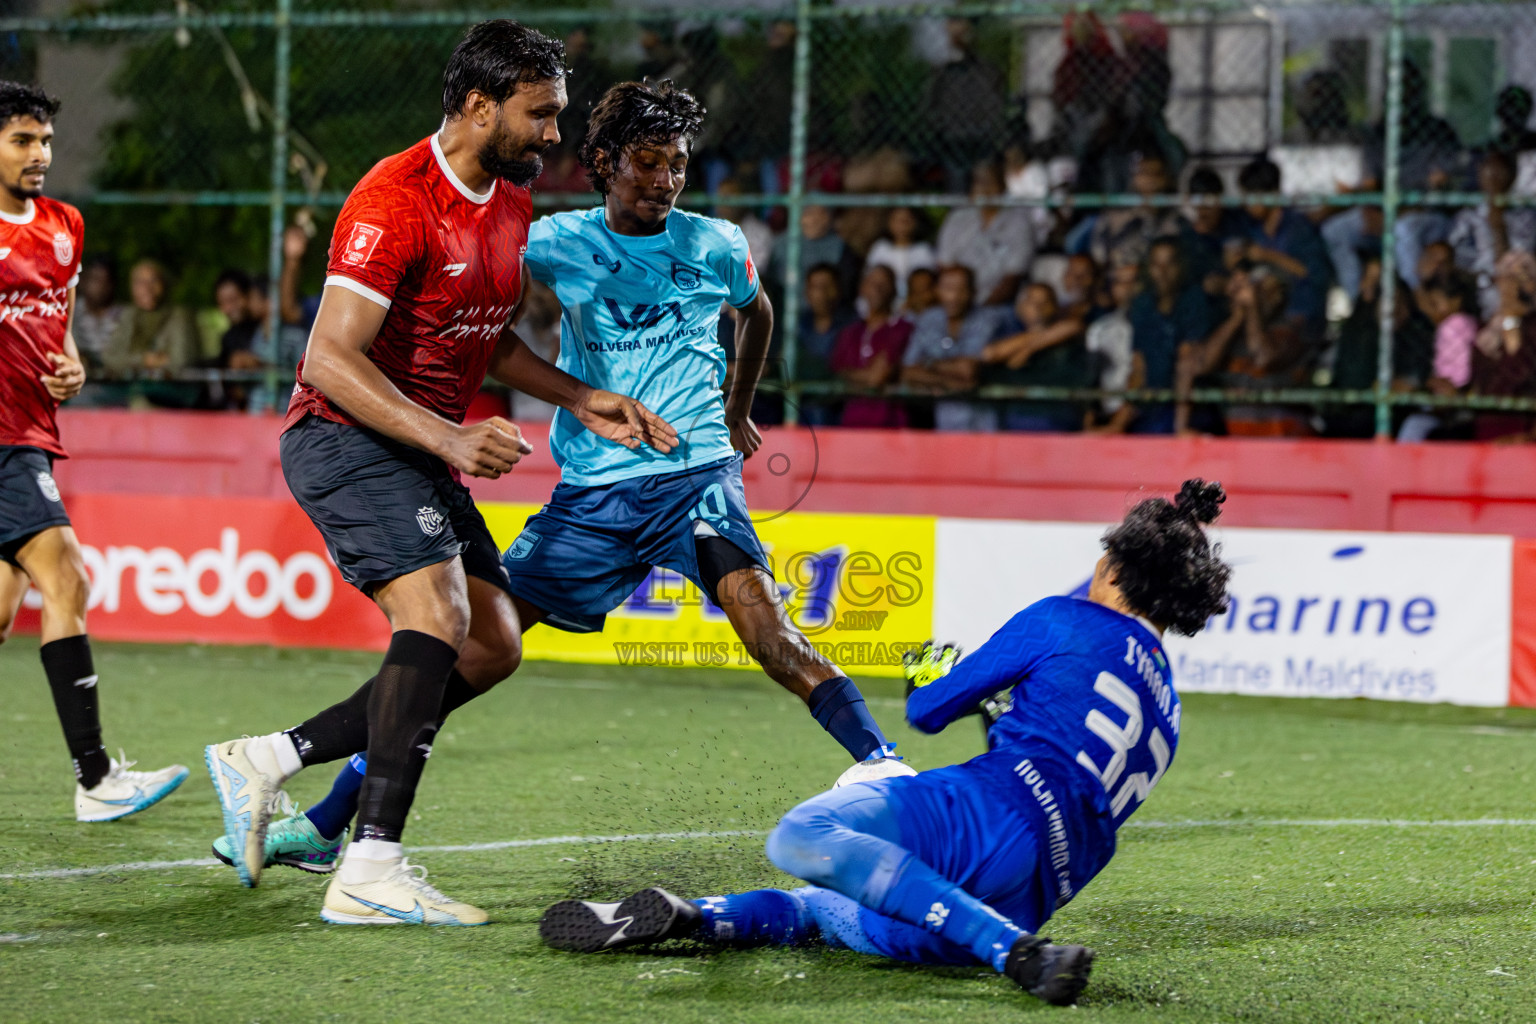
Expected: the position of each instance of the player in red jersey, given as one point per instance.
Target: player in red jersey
(40, 244)
(425, 272)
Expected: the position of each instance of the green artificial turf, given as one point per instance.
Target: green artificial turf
(1261, 882)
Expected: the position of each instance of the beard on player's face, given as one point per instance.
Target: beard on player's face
(20, 192)
(516, 161)
(27, 182)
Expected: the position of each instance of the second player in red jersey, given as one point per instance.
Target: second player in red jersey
(40, 244)
(39, 266)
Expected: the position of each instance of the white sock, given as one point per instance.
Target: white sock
(276, 755)
(368, 860)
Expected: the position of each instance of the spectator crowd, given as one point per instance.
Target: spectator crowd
(908, 314)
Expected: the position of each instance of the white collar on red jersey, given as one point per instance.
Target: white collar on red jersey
(464, 190)
(24, 218)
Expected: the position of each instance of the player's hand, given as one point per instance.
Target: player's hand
(67, 379)
(485, 449)
(928, 664)
(745, 436)
(621, 419)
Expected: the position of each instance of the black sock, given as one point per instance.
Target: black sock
(341, 730)
(403, 713)
(72, 677)
(456, 694)
(839, 706)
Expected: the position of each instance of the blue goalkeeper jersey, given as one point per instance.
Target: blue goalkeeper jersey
(641, 317)
(1088, 726)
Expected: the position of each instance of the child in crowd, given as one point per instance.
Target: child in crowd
(1447, 299)
(902, 247)
(1109, 343)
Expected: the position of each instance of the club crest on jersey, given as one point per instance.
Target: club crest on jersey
(430, 520)
(360, 246)
(684, 276)
(63, 248)
(48, 486)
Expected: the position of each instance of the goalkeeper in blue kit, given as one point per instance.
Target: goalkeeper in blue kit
(963, 865)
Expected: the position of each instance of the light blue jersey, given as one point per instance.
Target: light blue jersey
(641, 316)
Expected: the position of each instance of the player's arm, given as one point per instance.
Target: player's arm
(617, 417)
(754, 328)
(954, 692)
(337, 365)
(68, 375)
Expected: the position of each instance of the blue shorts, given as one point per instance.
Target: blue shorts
(29, 499)
(587, 550)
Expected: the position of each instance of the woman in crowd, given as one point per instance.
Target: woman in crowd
(868, 353)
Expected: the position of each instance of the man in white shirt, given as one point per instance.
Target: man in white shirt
(996, 243)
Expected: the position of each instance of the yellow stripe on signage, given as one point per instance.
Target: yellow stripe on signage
(860, 586)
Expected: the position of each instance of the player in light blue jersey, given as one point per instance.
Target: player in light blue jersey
(963, 865)
(642, 286)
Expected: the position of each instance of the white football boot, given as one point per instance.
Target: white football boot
(400, 896)
(122, 792)
(247, 782)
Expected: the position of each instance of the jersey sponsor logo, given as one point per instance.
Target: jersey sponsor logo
(523, 546)
(1057, 844)
(63, 248)
(685, 277)
(365, 238)
(455, 269)
(751, 270)
(46, 484)
(613, 268)
(5, 252)
(430, 520)
(644, 315)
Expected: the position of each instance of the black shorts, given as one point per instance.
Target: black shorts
(29, 499)
(385, 509)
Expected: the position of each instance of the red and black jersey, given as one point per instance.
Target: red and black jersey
(447, 264)
(39, 264)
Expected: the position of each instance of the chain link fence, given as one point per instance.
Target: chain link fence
(1229, 206)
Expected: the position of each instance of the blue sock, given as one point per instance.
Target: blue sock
(919, 895)
(760, 917)
(331, 815)
(839, 706)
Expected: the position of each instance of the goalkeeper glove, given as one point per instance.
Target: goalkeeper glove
(928, 664)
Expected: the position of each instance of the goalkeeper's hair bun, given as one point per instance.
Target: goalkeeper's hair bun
(1164, 564)
(1200, 501)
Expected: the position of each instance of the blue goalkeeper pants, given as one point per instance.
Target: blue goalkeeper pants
(931, 868)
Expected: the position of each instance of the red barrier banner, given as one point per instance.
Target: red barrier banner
(1522, 648)
(213, 570)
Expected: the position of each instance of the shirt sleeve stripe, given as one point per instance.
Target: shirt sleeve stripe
(356, 286)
